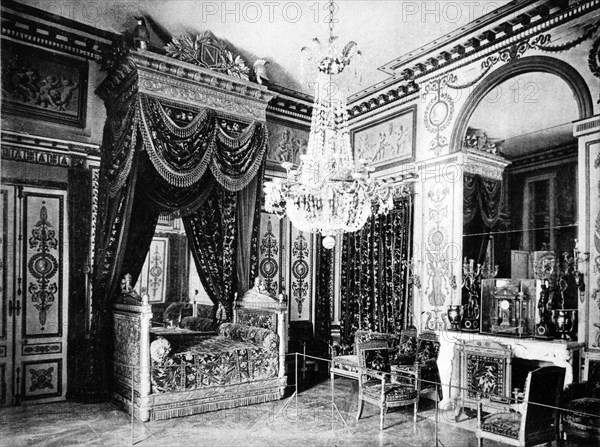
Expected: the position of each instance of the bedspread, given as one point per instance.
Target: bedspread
(239, 354)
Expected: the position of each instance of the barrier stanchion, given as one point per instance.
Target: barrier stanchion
(295, 394)
(132, 406)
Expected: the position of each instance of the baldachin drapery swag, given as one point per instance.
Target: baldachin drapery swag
(160, 156)
(375, 293)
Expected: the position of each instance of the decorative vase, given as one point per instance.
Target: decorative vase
(564, 320)
(454, 316)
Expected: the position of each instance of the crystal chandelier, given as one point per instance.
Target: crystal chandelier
(329, 192)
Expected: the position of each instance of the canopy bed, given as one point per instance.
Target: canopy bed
(184, 140)
(175, 372)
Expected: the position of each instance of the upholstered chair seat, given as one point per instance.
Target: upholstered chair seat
(505, 424)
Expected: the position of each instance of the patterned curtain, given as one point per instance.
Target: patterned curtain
(162, 157)
(324, 298)
(374, 291)
(211, 234)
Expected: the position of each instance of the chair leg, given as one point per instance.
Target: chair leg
(416, 408)
(360, 408)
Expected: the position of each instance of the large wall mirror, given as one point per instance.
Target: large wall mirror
(528, 219)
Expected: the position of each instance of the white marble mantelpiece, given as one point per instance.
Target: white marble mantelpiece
(558, 352)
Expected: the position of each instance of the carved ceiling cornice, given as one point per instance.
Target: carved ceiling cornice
(290, 104)
(171, 79)
(483, 40)
(41, 28)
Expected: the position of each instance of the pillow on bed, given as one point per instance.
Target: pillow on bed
(159, 349)
(197, 324)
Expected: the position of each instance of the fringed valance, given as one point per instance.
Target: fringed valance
(182, 154)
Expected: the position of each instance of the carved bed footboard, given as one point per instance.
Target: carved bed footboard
(132, 375)
(131, 356)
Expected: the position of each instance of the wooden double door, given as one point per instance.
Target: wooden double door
(34, 292)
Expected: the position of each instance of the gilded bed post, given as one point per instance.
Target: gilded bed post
(146, 317)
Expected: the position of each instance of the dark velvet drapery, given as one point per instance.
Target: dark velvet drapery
(163, 157)
(374, 292)
(482, 214)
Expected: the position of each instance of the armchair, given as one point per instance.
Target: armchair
(581, 421)
(423, 367)
(375, 385)
(537, 422)
(347, 365)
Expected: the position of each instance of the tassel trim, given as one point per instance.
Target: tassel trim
(179, 179)
(239, 183)
(157, 414)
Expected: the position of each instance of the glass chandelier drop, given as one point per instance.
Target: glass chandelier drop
(329, 192)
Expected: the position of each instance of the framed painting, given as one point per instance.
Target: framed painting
(287, 141)
(387, 142)
(43, 84)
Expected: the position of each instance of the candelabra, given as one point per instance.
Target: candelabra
(472, 276)
(565, 320)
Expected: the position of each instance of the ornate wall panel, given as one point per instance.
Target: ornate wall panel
(34, 291)
(301, 275)
(43, 257)
(437, 253)
(153, 278)
(271, 252)
(42, 379)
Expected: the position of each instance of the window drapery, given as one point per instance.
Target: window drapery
(159, 157)
(374, 283)
(482, 214)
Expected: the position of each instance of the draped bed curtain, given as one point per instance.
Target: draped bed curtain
(208, 170)
(482, 214)
(375, 294)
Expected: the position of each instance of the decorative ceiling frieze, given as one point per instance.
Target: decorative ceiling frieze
(505, 41)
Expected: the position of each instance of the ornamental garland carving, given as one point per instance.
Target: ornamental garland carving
(539, 42)
(438, 267)
(439, 111)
